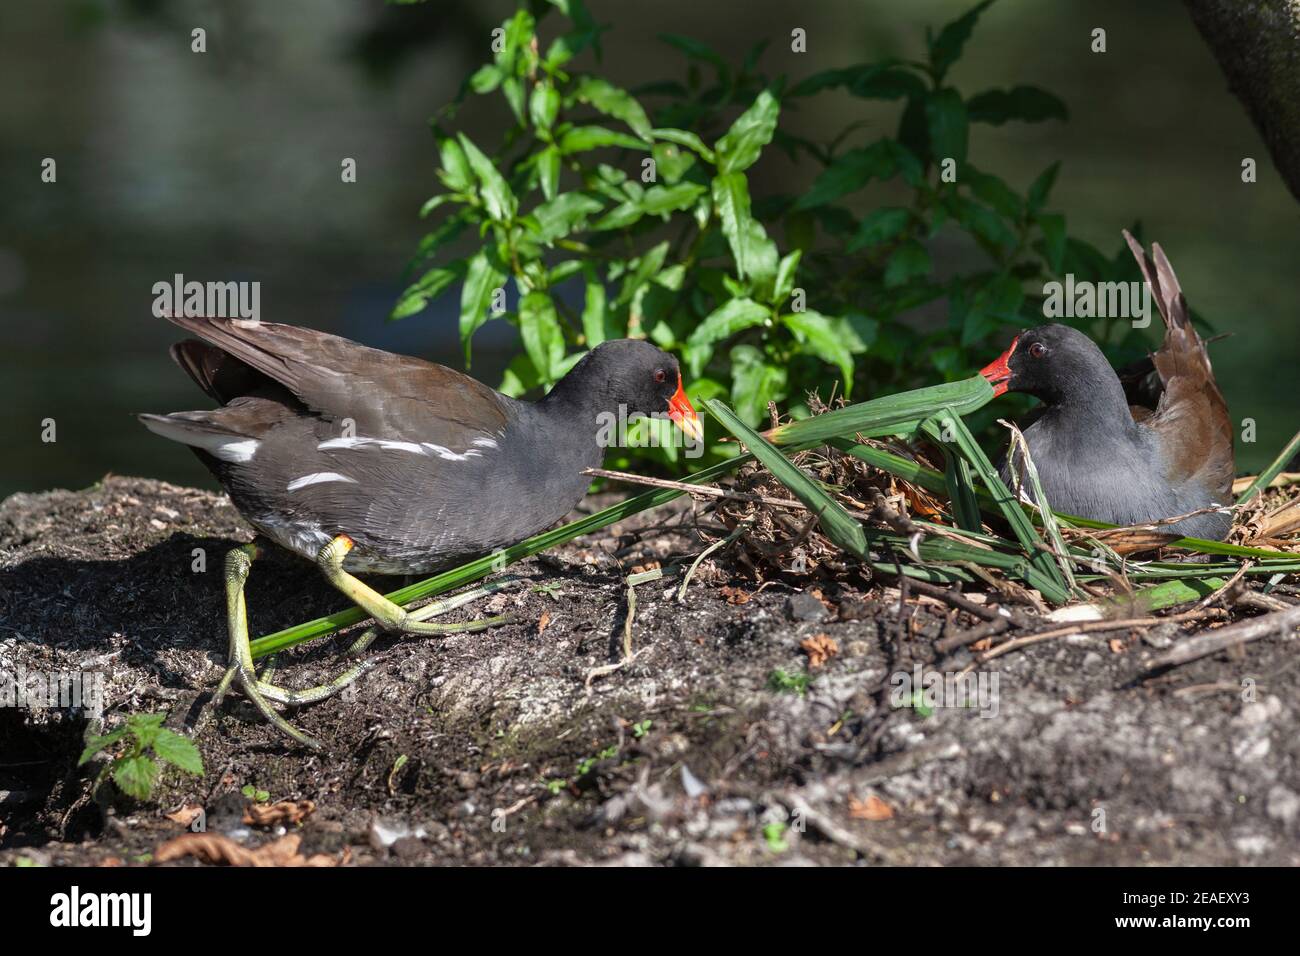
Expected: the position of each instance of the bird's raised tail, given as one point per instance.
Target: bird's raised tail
(1191, 413)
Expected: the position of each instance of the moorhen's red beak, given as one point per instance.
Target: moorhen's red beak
(683, 414)
(999, 372)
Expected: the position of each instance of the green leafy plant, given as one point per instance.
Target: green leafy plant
(607, 212)
(135, 770)
(786, 683)
(251, 792)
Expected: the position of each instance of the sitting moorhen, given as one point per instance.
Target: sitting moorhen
(368, 461)
(1097, 456)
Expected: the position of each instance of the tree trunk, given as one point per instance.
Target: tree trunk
(1257, 44)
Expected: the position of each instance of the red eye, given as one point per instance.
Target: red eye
(661, 375)
(1037, 350)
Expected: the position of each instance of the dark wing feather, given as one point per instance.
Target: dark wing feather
(388, 396)
(1191, 418)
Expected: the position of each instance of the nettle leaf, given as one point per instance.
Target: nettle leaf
(483, 277)
(755, 381)
(96, 744)
(825, 339)
(135, 776)
(733, 316)
(612, 101)
(740, 147)
(853, 170)
(945, 49)
(685, 138)
(539, 326)
(548, 171)
(948, 126)
(1029, 104)
(880, 226)
(497, 195)
(909, 261)
(178, 751)
(428, 287)
(584, 138)
(754, 253)
(560, 216)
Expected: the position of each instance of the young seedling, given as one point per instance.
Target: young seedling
(148, 744)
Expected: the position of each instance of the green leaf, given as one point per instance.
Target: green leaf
(671, 161)
(994, 191)
(664, 199)
(497, 195)
(740, 147)
(733, 316)
(429, 286)
(754, 382)
(825, 339)
(594, 308)
(135, 776)
(455, 173)
(562, 215)
(1054, 243)
(685, 138)
(178, 751)
(754, 253)
(880, 226)
(539, 326)
(543, 105)
(983, 222)
(946, 119)
(548, 171)
(854, 169)
(96, 744)
(584, 138)
(483, 277)
(1042, 186)
(785, 276)
(486, 79)
(1029, 104)
(945, 49)
(612, 101)
(909, 261)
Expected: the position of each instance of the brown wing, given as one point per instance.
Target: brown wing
(1192, 417)
(394, 397)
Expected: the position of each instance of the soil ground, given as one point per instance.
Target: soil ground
(717, 743)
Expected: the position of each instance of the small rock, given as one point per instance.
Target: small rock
(804, 607)
(854, 609)
(407, 847)
(1283, 805)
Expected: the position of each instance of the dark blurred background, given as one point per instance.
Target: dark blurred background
(226, 165)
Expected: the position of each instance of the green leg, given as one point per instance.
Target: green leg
(388, 615)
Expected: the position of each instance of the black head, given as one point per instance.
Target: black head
(635, 375)
(1054, 363)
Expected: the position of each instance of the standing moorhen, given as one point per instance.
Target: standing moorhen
(373, 462)
(1097, 456)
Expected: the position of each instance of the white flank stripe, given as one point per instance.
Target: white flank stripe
(320, 476)
(235, 451)
(376, 442)
(424, 448)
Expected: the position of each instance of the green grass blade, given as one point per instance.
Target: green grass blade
(1271, 472)
(835, 521)
(888, 415)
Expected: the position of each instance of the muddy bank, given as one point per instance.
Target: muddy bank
(718, 742)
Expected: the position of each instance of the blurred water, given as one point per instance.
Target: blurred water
(226, 166)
